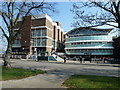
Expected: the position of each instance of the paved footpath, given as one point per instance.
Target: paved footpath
(57, 73)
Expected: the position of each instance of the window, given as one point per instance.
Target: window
(85, 42)
(16, 43)
(53, 43)
(43, 42)
(38, 33)
(89, 42)
(43, 32)
(38, 42)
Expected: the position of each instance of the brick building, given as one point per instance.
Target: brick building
(115, 33)
(38, 33)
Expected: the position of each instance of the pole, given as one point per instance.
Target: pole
(36, 43)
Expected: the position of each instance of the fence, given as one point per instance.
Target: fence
(14, 56)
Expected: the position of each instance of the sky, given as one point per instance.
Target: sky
(64, 15)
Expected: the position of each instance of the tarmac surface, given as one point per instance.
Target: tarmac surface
(57, 72)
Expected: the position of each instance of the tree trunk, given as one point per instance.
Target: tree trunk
(119, 25)
(7, 55)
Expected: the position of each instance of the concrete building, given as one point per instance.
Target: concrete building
(89, 41)
(115, 33)
(39, 33)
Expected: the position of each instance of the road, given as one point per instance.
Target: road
(57, 73)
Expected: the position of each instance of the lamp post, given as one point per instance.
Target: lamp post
(35, 53)
(32, 43)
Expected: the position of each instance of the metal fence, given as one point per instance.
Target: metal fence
(14, 56)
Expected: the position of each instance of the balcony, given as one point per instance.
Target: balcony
(90, 45)
(92, 53)
(89, 38)
(16, 45)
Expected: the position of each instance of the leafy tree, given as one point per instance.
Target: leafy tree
(87, 14)
(11, 12)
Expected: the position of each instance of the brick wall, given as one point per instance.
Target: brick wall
(26, 32)
(49, 24)
(49, 33)
(49, 50)
(38, 22)
(49, 42)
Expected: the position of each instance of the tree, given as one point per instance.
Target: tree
(11, 12)
(87, 14)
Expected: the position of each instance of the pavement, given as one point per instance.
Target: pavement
(57, 73)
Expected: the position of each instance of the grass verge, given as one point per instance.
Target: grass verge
(17, 73)
(91, 81)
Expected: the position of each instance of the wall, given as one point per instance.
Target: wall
(116, 45)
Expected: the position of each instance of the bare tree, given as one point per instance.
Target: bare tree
(11, 12)
(87, 14)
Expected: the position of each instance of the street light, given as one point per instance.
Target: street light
(35, 53)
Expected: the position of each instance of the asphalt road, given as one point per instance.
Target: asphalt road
(57, 73)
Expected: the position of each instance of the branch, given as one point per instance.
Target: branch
(25, 16)
(97, 4)
(5, 20)
(4, 33)
(34, 8)
(118, 5)
(117, 15)
(8, 7)
(20, 11)
(111, 25)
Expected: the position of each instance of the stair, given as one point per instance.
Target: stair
(51, 58)
(55, 57)
(32, 57)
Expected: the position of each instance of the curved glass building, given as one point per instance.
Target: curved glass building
(88, 41)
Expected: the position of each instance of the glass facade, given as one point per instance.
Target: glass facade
(89, 51)
(38, 33)
(39, 42)
(87, 44)
(101, 37)
(87, 30)
(17, 43)
(38, 37)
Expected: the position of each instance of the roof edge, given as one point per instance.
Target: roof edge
(94, 28)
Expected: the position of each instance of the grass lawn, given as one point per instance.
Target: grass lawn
(17, 73)
(90, 81)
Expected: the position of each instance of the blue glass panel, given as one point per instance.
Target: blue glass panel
(89, 38)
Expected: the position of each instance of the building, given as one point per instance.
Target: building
(89, 41)
(115, 33)
(38, 34)
(116, 45)
(116, 38)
